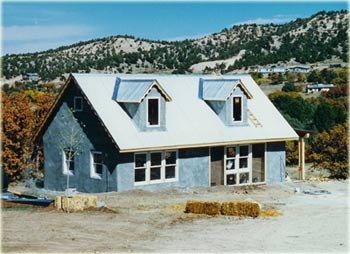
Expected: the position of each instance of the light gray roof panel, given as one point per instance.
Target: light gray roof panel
(190, 121)
(132, 91)
(217, 89)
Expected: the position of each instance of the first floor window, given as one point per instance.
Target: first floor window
(68, 161)
(140, 167)
(97, 163)
(170, 164)
(155, 167)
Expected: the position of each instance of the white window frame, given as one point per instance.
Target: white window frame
(93, 173)
(64, 164)
(238, 170)
(156, 166)
(145, 167)
(76, 103)
(162, 170)
(232, 108)
(147, 119)
(176, 167)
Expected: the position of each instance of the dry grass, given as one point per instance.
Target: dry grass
(237, 208)
(269, 213)
(200, 207)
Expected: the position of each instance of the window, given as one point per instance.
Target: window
(237, 108)
(140, 167)
(153, 112)
(78, 103)
(155, 167)
(170, 164)
(237, 165)
(68, 161)
(97, 164)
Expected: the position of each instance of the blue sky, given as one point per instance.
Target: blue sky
(37, 26)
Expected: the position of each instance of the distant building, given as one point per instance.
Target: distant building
(271, 70)
(302, 69)
(31, 76)
(318, 88)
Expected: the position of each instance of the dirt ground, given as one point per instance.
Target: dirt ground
(314, 219)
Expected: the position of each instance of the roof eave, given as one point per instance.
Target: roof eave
(253, 141)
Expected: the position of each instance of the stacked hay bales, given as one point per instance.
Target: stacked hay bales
(233, 208)
(201, 207)
(237, 208)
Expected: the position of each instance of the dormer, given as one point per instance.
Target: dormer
(144, 101)
(227, 98)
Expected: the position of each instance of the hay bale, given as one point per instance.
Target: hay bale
(203, 207)
(237, 208)
(75, 203)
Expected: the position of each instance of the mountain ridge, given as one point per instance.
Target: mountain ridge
(320, 37)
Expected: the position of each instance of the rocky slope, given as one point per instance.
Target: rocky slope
(320, 37)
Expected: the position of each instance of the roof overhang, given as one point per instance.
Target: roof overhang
(252, 141)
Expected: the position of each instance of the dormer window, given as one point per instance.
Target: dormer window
(144, 100)
(237, 108)
(153, 111)
(227, 98)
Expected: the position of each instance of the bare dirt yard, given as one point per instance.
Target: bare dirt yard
(314, 218)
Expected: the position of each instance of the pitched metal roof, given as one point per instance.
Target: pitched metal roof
(219, 89)
(134, 90)
(190, 121)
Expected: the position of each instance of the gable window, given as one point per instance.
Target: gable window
(78, 103)
(153, 111)
(68, 161)
(97, 164)
(156, 167)
(237, 108)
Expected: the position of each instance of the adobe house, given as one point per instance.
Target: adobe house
(150, 131)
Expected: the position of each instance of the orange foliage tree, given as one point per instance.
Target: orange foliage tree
(22, 113)
(330, 150)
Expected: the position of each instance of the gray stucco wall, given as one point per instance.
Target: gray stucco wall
(54, 179)
(276, 162)
(192, 164)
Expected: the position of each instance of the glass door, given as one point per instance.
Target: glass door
(238, 165)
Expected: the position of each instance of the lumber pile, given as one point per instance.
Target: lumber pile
(75, 203)
(233, 208)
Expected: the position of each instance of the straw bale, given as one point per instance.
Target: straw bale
(237, 208)
(75, 203)
(201, 207)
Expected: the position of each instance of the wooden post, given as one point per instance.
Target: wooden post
(302, 159)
